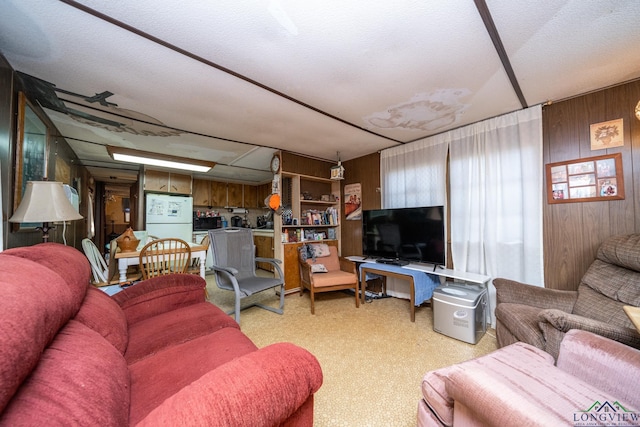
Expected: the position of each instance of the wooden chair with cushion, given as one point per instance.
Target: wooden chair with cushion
(322, 270)
(164, 256)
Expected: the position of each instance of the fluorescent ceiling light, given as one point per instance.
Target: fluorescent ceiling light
(157, 159)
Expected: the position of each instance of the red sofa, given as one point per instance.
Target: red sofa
(154, 354)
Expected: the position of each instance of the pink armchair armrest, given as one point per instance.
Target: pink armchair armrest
(263, 388)
(609, 365)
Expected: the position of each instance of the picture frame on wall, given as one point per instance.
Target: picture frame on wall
(586, 180)
(607, 134)
(32, 152)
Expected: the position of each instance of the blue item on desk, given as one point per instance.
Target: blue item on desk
(424, 283)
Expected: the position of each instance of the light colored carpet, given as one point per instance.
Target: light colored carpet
(373, 357)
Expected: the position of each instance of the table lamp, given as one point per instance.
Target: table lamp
(45, 202)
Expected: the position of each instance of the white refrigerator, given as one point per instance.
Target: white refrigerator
(169, 216)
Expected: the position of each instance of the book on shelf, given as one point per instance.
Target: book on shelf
(316, 217)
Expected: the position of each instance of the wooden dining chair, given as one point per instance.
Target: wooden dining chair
(164, 256)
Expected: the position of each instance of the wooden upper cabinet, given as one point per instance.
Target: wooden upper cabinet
(179, 183)
(156, 180)
(167, 182)
(250, 196)
(264, 190)
(202, 192)
(214, 193)
(234, 195)
(218, 193)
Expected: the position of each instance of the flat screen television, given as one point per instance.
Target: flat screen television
(406, 234)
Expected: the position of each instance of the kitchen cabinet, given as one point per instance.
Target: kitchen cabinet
(167, 182)
(218, 193)
(264, 249)
(179, 183)
(202, 192)
(209, 193)
(234, 195)
(250, 196)
(264, 191)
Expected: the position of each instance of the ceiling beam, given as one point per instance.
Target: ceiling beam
(481, 5)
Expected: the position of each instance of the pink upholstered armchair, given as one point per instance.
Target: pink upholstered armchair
(519, 385)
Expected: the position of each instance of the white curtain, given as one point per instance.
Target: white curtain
(496, 192)
(414, 175)
(496, 197)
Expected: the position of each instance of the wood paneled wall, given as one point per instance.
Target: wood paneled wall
(297, 164)
(366, 171)
(573, 231)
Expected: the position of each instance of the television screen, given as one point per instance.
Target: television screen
(409, 234)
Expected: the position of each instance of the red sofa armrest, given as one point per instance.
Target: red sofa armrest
(262, 388)
(160, 295)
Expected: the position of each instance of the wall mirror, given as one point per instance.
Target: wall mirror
(31, 151)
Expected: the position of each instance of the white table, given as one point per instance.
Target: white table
(460, 276)
(126, 259)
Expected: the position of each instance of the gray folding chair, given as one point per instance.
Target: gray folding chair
(234, 266)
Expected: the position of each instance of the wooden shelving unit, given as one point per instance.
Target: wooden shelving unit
(315, 215)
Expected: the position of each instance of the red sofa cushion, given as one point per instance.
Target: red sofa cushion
(66, 261)
(159, 295)
(149, 336)
(100, 313)
(157, 378)
(81, 380)
(36, 303)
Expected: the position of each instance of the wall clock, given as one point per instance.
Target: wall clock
(275, 163)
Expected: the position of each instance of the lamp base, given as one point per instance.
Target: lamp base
(45, 231)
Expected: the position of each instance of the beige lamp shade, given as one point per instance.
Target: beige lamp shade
(44, 201)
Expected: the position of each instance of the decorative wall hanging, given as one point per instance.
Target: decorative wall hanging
(607, 134)
(353, 201)
(586, 180)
